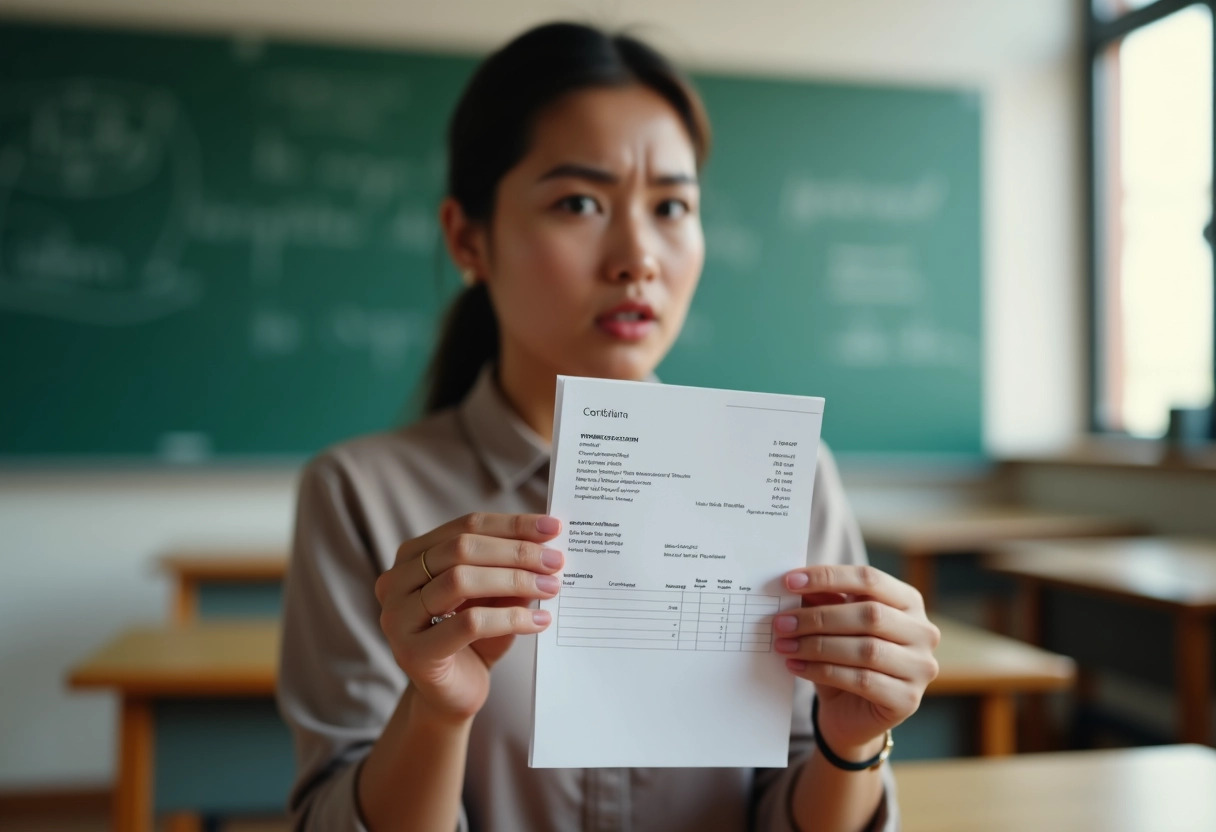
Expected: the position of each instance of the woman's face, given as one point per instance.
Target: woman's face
(595, 246)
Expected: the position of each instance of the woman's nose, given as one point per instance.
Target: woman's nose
(631, 258)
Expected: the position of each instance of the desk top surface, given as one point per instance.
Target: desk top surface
(1164, 789)
(239, 657)
(1173, 572)
(227, 565)
(972, 660)
(208, 658)
(943, 530)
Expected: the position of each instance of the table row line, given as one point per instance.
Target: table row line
(736, 599)
(663, 615)
(649, 626)
(661, 606)
(662, 594)
(691, 641)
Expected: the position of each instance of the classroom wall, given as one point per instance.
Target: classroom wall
(77, 547)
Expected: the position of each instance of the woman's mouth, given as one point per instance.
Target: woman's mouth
(628, 321)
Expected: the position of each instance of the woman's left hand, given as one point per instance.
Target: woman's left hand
(863, 638)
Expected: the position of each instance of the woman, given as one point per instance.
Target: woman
(572, 212)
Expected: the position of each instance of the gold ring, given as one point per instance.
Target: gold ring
(422, 558)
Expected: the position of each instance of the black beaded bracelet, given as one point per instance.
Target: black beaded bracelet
(841, 763)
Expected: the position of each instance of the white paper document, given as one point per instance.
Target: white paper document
(682, 508)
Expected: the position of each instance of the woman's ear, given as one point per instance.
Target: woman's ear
(466, 241)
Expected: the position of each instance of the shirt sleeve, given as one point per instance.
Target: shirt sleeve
(835, 538)
(338, 681)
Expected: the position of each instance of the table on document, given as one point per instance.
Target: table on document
(665, 619)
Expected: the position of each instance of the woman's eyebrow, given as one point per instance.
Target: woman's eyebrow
(605, 177)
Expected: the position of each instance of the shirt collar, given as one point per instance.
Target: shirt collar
(509, 449)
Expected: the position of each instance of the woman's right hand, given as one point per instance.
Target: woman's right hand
(487, 568)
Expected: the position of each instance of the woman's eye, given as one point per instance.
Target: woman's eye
(674, 208)
(579, 204)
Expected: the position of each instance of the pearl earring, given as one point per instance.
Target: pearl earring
(468, 276)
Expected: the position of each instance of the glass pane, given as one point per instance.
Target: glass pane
(1155, 264)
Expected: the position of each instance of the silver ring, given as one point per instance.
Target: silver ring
(435, 619)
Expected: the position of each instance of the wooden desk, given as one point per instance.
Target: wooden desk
(1163, 789)
(192, 569)
(1177, 575)
(239, 658)
(919, 538)
(211, 659)
(994, 669)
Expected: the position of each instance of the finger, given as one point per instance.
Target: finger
(463, 583)
(534, 527)
(816, 598)
(866, 618)
(883, 690)
(479, 550)
(855, 580)
(859, 651)
(484, 550)
(476, 623)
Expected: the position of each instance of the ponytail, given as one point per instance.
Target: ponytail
(468, 340)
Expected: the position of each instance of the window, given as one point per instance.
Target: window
(1151, 128)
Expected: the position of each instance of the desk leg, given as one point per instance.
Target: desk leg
(998, 616)
(183, 822)
(918, 569)
(1192, 657)
(132, 811)
(1032, 611)
(185, 602)
(997, 725)
(1036, 732)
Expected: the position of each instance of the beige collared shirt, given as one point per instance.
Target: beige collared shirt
(339, 683)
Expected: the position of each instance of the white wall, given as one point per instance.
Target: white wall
(76, 548)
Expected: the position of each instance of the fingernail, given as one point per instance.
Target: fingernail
(786, 645)
(797, 580)
(540, 617)
(796, 665)
(551, 558)
(548, 525)
(547, 583)
(786, 623)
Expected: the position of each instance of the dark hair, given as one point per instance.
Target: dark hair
(490, 132)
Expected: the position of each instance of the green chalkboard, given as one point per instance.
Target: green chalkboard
(220, 247)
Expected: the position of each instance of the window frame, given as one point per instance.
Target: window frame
(1099, 34)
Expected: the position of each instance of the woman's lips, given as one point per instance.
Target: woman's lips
(627, 330)
(629, 322)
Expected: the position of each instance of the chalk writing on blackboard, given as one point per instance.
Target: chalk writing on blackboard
(334, 102)
(386, 336)
(79, 160)
(868, 340)
(885, 275)
(807, 200)
(275, 333)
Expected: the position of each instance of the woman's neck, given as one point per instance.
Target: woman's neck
(530, 388)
